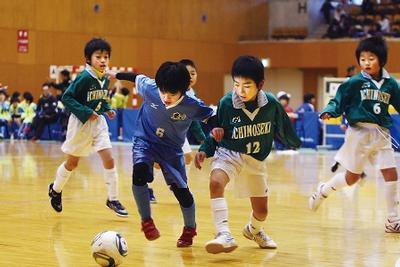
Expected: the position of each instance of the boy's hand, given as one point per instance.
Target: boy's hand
(111, 114)
(325, 116)
(111, 73)
(94, 116)
(217, 133)
(199, 158)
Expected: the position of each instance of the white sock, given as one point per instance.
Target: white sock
(337, 182)
(111, 180)
(256, 225)
(219, 209)
(391, 198)
(62, 176)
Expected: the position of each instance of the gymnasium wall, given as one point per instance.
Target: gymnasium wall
(315, 58)
(143, 34)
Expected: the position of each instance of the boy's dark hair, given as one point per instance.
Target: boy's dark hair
(14, 100)
(248, 67)
(28, 96)
(307, 97)
(376, 45)
(94, 45)
(124, 91)
(173, 77)
(65, 73)
(46, 84)
(188, 62)
(15, 94)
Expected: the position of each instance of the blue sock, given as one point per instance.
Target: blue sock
(189, 216)
(141, 195)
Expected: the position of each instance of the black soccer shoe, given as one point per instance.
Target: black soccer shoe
(55, 199)
(117, 207)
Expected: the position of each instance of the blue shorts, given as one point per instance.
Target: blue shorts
(171, 161)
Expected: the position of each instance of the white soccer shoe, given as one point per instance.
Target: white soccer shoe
(260, 238)
(392, 225)
(223, 242)
(316, 198)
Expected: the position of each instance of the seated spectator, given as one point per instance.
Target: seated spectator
(46, 112)
(333, 31)
(344, 26)
(15, 114)
(384, 24)
(367, 7)
(65, 81)
(326, 9)
(119, 101)
(4, 114)
(28, 112)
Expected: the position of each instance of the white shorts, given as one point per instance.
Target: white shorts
(248, 174)
(366, 142)
(186, 147)
(84, 139)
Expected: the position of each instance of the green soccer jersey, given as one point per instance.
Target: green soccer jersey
(252, 132)
(363, 99)
(87, 93)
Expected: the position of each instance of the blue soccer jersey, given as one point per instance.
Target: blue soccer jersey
(162, 124)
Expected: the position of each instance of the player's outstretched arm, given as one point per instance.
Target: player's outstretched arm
(199, 159)
(126, 76)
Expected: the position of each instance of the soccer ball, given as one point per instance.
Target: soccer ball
(109, 248)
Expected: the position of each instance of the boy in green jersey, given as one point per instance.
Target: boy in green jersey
(87, 132)
(249, 118)
(365, 99)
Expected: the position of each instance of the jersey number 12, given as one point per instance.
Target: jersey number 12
(253, 148)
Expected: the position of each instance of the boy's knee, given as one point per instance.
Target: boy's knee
(216, 185)
(71, 164)
(141, 174)
(183, 195)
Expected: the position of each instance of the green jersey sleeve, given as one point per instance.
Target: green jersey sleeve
(197, 131)
(284, 128)
(70, 96)
(335, 106)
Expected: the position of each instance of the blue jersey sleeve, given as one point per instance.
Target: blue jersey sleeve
(143, 83)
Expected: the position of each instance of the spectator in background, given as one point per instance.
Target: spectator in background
(28, 109)
(46, 112)
(367, 7)
(65, 78)
(65, 81)
(308, 104)
(351, 70)
(119, 101)
(15, 114)
(326, 9)
(4, 114)
(384, 24)
(338, 13)
(284, 99)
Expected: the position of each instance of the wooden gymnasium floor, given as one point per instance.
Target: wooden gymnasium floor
(346, 231)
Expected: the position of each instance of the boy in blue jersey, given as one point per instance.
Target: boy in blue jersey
(250, 118)
(87, 131)
(159, 133)
(365, 99)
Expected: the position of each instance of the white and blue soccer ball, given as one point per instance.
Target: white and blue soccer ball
(109, 248)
